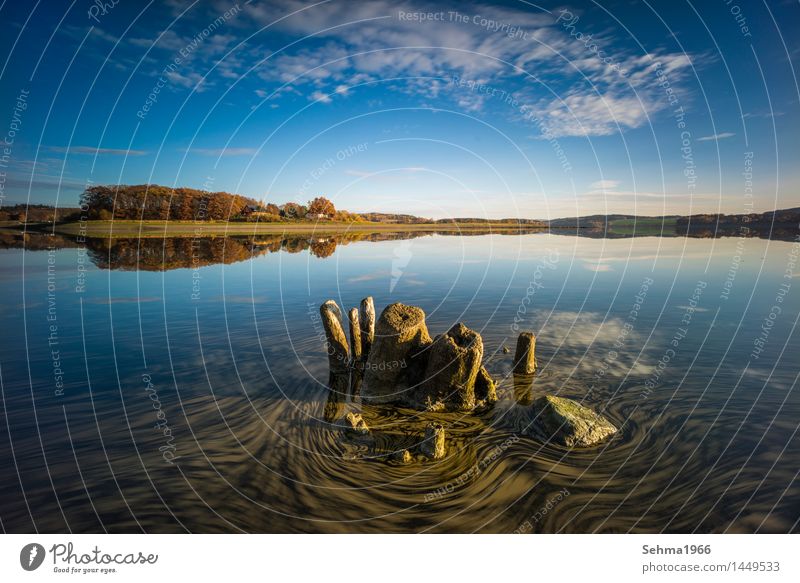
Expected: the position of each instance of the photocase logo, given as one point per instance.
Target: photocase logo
(31, 556)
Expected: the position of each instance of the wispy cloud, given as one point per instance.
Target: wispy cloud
(372, 43)
(224, 151)
(375, 275)
(190, 80)
(97, 151)
(598, 267)
(320, 97)
(716, 137)
(604, 184)
(124, 300)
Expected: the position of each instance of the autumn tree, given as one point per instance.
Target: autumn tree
(154, 202)
(321, 206)
(323, 248)
(292, 210)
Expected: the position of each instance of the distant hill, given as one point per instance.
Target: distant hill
(527, 222)
(393, 218)
(37, 213)
(602, 221)
(784, 216)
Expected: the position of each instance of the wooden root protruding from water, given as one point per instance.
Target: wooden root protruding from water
(454, 360)
(525, 356)
(355, 336)
(394, 364)
(367, 322)
(336, 340)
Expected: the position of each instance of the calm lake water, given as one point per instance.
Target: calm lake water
(688, 344)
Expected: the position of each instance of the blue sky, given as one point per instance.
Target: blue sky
(498, 109)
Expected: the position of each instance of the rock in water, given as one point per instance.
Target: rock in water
(433, 444)
(454, 361)
(338, 351)
(485, 388)
(396, 360)
(525, 356)
(569, 423)
(367, 320)
(355, 336)
(355, 425)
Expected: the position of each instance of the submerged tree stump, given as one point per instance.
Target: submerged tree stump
(393, 364)
(454, 360)
(367, 322)
(394, 361)
(485, 388)
(525, 356)
(355, 336)
(336, 340)
(523, 388)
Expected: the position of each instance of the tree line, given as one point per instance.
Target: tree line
(154, 202)
(37, 213)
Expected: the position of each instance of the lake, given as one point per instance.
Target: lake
(180, 385)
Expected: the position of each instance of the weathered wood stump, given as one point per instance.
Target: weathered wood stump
(367, 321)
(454, 360)
(395, 360)
(394, 363)
(336, 340)
(525, 356)
(523, 388)
(355, 336)
(485, 388)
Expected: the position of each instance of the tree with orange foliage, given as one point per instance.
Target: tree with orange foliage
(321, 206)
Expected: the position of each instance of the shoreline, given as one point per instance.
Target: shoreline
(126, 229)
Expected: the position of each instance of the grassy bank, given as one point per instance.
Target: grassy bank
(643, 226)
(125, 229)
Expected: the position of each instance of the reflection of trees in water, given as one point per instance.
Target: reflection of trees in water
(323, 247)
(162, 254)
(777, 232)
(170, 253)
(35, 241)
(180, 252)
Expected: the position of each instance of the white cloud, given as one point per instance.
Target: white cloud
(190, 79)
(224, 151)
(320, 96)
(605, 184)
(97, 151)
(594, 114)
(715, 137)
(370, 42)
(581, 341)
(597, 267)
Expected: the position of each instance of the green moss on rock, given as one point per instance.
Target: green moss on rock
(569, 423)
